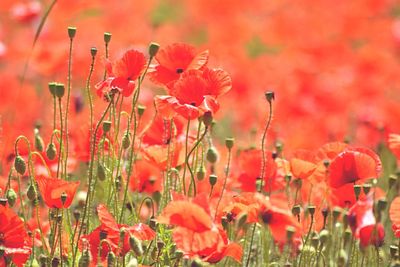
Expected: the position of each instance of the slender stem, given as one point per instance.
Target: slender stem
(186, 157)
(264, 159)
(67, 105)
(225, 180)
(61, 139)
(251, 244)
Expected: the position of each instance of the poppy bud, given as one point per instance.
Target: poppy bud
(392, 180)
(71, 32)
(11, 197)
(153, 49)
(269, 95)
(101, 172)
(393, 251)
(93, 51)
(212, 179)
(55, 262)
(107, 37)
(153, 223)
(84, 260)
(207, 118)
(290, 230)
(357, 190)
(106, 126)
(212, 155)
(160, 245)
(31, 193)
(126, 141)
(52, 88)
(20, 165)
(296, 210)
(141, 109)
(136, 245)
(60, 90)
(342, 258)
(229, 143)
(367, 188)
(201, 173)
(110, 259)
(39, 144)
(323, 236)
(51, 151)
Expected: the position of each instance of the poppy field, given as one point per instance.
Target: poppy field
(199, 133)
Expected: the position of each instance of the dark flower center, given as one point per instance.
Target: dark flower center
(179, 70)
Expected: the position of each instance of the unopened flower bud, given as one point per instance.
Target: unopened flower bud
(11, 197)
(213, 179)
(39, 144)
(153, 49)
(31, 192)
(201, 173)
(51, 151)
(126, 141)
(101, 172)
(229, 142)
(110, 259)
(212, 155)
(136, 245)
(71, 32)
(20, 165)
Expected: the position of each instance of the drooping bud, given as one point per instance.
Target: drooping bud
(201, 173)
(207, 118)
(51, 151)
(153, 49)
(126, 141)
(20, 165)
(136, 245)
(71, 32)
(39, 144)
(11, 197)
(31, 193)
(212, 155)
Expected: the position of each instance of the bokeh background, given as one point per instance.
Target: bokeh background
(333, 65)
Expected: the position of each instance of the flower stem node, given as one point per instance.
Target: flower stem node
(20, 165)
(153, 49)
(71, 32)
(270, 96)
(107, 37)
(229, 142)
(51, 151)
(60, 90)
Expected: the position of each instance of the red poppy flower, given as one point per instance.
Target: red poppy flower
(122, 75)
(194, 93)
(352, 165)
(175, 59)
(13, 237)
(54, 191)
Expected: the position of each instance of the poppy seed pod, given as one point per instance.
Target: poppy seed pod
(20, 165)
(153, 49)
(71, 32)
(311, 210)
(52, 88)
(141, 109)
(11, 197)
(63, 197)
(51, 151)
(212, 155)
(392, 180)
(55, 262)
(296, 210)
(290, 230)
(3, 201)
(357, 190)
(60, 90)
(269, 95)
(106, 126)
(393, 251)
(93, 51)
(229, 142)
(382, 204)
(367, 188)
(212, 179)
(107, 37)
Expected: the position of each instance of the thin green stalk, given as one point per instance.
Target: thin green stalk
(225, 180)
